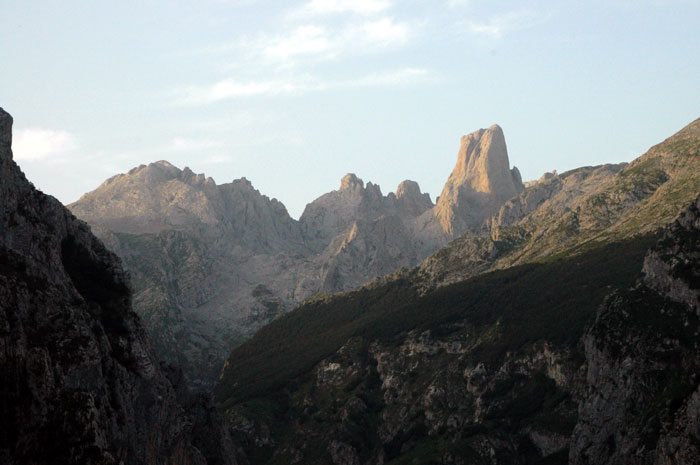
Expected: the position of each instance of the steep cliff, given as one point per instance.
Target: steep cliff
(78, 381)
(642, 402)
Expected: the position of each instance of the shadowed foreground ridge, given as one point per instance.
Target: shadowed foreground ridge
(642, 403)
(78, 382)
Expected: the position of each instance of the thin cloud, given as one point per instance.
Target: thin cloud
(498, 26)
(313, 42)
(232, 89)
(405, 76)
(330, 7)
(40, 144)
(304, 40)
(386, 31)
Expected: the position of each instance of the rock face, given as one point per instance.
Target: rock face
(642, 403)
(79, 382)
(212, 264)
(479, 184)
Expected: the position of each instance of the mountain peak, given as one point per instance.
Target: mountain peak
(482, 161)
(408, 188)
(480, 182)
(351, 181)
(411, 200)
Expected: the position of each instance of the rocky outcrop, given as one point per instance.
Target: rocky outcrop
(411, 202)
(335, 212)
(78, 380)
(642, 401)
(479, 184)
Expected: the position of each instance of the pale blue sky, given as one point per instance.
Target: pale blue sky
(293, 95)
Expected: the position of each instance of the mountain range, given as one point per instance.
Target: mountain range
(213, 263)
(564, 331)
(548, 322)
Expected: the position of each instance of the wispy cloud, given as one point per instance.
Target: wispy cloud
(317, 42)
(304, 40)
(311, 39)
(231, 89)
(41, 144)
(498, 26)
(385, 31)
(329, 7)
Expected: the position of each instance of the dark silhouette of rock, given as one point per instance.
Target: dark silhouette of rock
(78, 380)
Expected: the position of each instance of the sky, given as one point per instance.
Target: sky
(293, 95)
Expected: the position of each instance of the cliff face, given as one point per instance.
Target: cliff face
(78, 381)
(642, 402)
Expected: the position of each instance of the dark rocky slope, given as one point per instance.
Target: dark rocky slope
(642, 399)
(488, 370)
(78, 381)
(498, 369)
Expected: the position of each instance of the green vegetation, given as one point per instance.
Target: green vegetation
(550, 301)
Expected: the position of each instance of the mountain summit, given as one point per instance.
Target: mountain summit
(480, 182)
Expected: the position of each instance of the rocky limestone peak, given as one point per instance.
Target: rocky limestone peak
(5, 133)
(410, 199)
(408, 188)
(482, 164)
(351, 181)
(480, 182)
